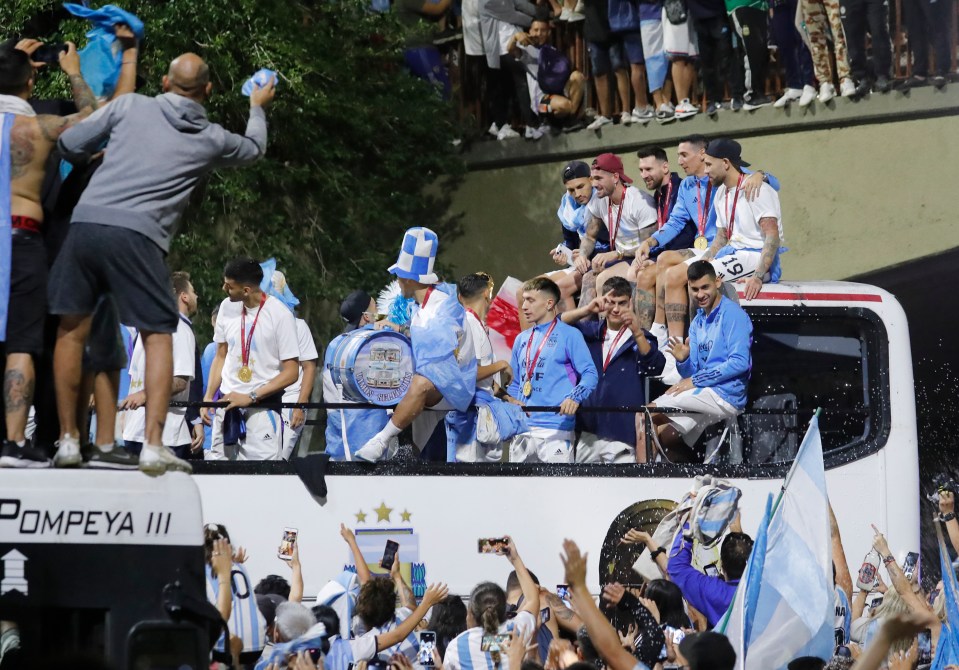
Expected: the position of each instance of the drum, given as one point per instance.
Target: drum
(374, 366)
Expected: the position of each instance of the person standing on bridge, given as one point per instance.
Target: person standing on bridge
(122, 227)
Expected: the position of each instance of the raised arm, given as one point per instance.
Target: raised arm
(898, 578)
(526, 583)
(636, 536)
(296, 579)
(894, 627)
(601, 633)
(362, 569)
(947, 514)
(407, 599)
(843, 578)
(434, 594)
(127, 81)
(566, 618)
(247, 148)
(222, 564)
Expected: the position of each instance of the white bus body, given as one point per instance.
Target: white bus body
(438, 511)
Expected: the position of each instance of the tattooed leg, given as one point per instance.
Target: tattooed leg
(588, 290)
(18, 385)
(677, 299)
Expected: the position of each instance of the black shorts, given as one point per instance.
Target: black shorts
(97, 259)
(28, 294)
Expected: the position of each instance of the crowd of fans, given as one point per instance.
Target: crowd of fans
(646, 57)
(671, 618)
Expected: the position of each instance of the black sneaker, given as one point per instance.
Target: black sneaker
(757, 101)
(939, 81)
(713, 108)
(13, 455)
(736, 104)
(883, 85)
(117, 458)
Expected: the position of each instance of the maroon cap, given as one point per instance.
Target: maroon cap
(611, 163)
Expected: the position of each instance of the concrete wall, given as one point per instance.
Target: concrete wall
(855, 199)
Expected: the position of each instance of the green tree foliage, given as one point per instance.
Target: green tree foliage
(359, 149)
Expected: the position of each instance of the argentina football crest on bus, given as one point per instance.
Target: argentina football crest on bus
(385, 531)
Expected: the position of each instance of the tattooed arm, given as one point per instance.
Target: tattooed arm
(567, 619)
(586, 245)
(719, 242)
(770, 228)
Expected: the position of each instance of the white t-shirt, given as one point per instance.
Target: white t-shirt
(639, 214)
(304, 339)
(610, 337)
(274, 341)
(176, 432)
(465, 652)
(483, 347)
(467, 349)
(746, 231)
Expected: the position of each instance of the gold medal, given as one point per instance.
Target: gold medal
(527, 389)
(701, 243)
(245, 374)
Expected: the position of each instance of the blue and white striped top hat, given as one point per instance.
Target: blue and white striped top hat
(417, 256)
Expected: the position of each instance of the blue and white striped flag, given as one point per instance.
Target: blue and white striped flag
(784, 606)
(947, 651)
(6, 125)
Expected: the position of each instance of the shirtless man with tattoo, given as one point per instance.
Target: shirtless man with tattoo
(32, 137)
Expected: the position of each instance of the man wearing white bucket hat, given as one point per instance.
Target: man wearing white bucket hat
(445, 363)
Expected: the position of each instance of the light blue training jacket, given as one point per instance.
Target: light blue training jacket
(564, 369)
(719, 356)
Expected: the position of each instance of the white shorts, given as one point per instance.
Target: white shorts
(495, 35)
(290, 435)
(542, 445)
(738, 265)
(428, 420)
(263, 440)
(707, 407)
(594, 449)
(679, 41)
(477, 452)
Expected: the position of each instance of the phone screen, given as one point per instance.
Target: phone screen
(925, 647)
(426, 656)
(389, 554)
(544, 615)
(711, 570)
(492, 545)
(287, 544)
(494, 642)
(562, 590)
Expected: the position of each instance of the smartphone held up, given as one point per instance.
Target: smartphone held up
(287, 544)
(389, 554)
(493, 545)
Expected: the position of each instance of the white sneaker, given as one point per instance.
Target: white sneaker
(373, 450)
(599, 122)
(808, 95)
(580, 6)
(644, 114)
(68, 453)
(533, 133)
(788, 96)
(575, 16)
(685, 109)
(847, 87)
(506, 133)
(564, 15)
(493, 130)
(626, 118)
(155, 461)
(826, 93)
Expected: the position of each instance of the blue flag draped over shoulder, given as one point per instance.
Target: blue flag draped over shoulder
(947, 651)
(435, 346)
(6, 124)
(100, 63)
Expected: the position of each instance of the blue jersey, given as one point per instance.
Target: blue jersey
(719, 351)
(564, 369)
(843, 617)
(695, 203)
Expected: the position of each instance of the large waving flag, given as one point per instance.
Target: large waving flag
(6, 125)
(784, 606)
(947, 651)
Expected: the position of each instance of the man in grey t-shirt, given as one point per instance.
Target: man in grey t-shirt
(159, 148)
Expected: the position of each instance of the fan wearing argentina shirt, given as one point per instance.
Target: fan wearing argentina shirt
(444, 356)
(552, 367)
(478, 647)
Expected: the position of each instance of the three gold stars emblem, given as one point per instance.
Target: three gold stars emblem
(383, 513)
